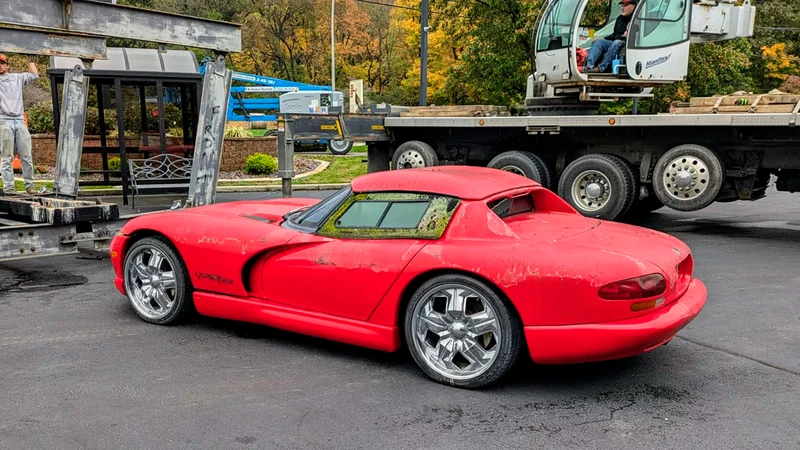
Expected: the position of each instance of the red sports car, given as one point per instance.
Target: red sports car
(468, 268)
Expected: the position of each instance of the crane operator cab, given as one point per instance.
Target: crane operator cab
(607, 49)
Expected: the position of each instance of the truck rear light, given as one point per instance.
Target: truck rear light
(633, 288)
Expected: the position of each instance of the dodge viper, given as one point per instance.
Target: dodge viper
(466, 268)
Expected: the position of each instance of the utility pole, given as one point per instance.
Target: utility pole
(423, 72)
(333, 57)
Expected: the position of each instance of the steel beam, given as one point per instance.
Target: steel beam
(210, 133)
(57, 211)
(286, 154)
(50, 43)
(70, 133)
(111, 20)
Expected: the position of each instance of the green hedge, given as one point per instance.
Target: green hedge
(260, 164)
(41, 121)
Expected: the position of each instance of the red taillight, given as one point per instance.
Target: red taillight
(634, 288)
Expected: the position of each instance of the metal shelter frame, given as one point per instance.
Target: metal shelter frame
(119, 71)
(55, 223)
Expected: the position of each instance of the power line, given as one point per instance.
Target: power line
(391, 5)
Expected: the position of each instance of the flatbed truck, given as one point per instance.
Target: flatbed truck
(718, 149)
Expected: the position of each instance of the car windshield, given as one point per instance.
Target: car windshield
(313, 216)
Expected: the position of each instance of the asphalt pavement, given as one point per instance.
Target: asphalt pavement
(79, 370)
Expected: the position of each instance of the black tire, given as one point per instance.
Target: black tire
(183, 303)
(618, 176)
(523, 163)
(414, 154)
(340, 147)
(630, 174)
(706, 168)
(508, 347)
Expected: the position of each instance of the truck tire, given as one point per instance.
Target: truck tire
(688, 177)
(523, 163)
(340, 147)
(413, 155)
(600, 186)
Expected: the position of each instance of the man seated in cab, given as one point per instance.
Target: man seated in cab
(606, 50)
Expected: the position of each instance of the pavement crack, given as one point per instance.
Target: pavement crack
(613, 411)
(732, 353)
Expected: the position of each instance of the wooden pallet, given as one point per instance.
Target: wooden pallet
(456, 111)
(772, 103)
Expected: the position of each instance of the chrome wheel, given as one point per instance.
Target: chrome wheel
(456, 330)
(686, 177)
(150, 282)
(591, 190)
(410, 159)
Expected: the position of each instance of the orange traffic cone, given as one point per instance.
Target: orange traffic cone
(17, 165)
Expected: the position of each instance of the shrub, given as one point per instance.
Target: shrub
(114, 163)
(41, 121)
(237, 132)
(260, 164)
(40, 118)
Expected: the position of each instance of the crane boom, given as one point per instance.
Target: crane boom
(721, 20)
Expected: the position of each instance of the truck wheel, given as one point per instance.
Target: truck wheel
(523, 163)
(413, 155)
(340, 147)
(600, 186)
(688, 177)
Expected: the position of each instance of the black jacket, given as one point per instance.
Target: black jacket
(620, 26)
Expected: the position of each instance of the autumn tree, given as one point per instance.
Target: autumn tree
(779, 65)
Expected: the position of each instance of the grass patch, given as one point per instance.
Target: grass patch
(20, 186)
(340, 170)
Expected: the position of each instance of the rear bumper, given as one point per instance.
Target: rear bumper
(570, 344)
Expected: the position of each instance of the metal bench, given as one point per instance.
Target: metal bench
(163, 173)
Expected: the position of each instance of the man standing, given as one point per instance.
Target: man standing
(609, 47)
(14, 135)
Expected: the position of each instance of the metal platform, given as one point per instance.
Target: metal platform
(54, 211)
(33, 227)
(659, 120)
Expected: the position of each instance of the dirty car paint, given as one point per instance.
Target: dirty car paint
(350, 286)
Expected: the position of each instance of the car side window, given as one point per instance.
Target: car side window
(383, 214)
(363, 214)
(391, 215)
(404, 214)
(310, 219)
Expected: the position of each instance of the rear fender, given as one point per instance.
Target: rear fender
(546, 283)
